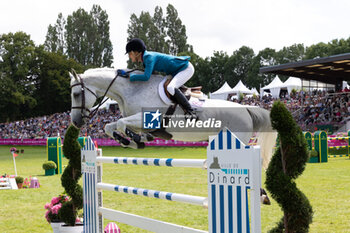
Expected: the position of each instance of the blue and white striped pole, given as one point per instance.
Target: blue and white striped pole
(194, 200)
(194, 163)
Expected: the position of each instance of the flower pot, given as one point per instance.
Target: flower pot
(20, 185)
(50, 172)
(56, 226)
(79, 228)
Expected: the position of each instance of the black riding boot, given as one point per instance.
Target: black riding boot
(184, 104)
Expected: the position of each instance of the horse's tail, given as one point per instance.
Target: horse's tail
(266, 135)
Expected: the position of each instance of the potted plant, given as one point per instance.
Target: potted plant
(52, 208)
(49, 167)
(70, 177)
(19, 181)
(313, 156)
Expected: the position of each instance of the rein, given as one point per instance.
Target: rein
(83, 87)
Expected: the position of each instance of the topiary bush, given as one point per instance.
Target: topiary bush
(49, 165)
(287, 163)
(70, 177)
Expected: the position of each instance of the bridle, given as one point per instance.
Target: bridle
(83, 88)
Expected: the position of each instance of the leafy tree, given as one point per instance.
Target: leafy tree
(79, 32)
(84, 36)
(17, 52)
(265, 57)
(166, 35)
(176, 32)
(288, 163)
(102, 49)
(55, 36)
(238, 65)
(52, 88)
(160, 31)
(217, 70)
(293, 53)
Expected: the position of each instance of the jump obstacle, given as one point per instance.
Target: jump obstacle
(234, 177)
(319, 142)
(54, 152)
(8, 183)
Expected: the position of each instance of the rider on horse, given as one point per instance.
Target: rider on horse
(178, 67)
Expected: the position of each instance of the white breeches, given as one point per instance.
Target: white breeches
(180, 79)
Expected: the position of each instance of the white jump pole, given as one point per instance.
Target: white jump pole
(14, 162)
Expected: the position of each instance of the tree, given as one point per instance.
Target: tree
(176, 32)
(102, 49)
(17, 52)
(55, 36)
(239, 65)
(287, 163)
(265, 57)
(217, 70)
(293, 53)
(79, 32)
(159, 36)
(83, 36)
(52, 88)
(166, 35)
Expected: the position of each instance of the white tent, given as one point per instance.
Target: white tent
(254, 91)
(292, 83)
(274, 87)
(222, 92)
(241, 88)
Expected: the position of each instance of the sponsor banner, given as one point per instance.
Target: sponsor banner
(23, 142)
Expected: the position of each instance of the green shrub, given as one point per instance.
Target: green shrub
(313, 153)
(49, 165)
(19, 179)
(70, 177)
(287, 163)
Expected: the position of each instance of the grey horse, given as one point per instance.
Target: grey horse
(134, 97)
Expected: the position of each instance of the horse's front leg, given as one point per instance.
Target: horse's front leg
(121, 129)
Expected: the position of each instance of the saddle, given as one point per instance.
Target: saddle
(187, 91)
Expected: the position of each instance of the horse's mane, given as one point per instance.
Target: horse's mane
(107, 69)
(93, 70)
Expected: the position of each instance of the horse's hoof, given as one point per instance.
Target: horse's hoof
(140, 145)
(121, 139)
(136, 138)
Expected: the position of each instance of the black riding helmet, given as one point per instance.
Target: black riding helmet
(135, 44)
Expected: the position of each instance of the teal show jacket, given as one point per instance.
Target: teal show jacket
(160, 62)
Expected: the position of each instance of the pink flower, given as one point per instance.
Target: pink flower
(55, 200)
(47, 215)
(56, 208)
(48, 205)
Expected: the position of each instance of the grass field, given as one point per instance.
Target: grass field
(326, 185)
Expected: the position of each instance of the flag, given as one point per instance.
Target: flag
(15, 155)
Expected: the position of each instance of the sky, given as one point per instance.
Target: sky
(221, 25)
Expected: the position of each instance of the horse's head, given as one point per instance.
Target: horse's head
(83, 98)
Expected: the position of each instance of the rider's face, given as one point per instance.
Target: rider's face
(134, 56)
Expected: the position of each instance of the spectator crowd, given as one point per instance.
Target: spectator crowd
(308, 109)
